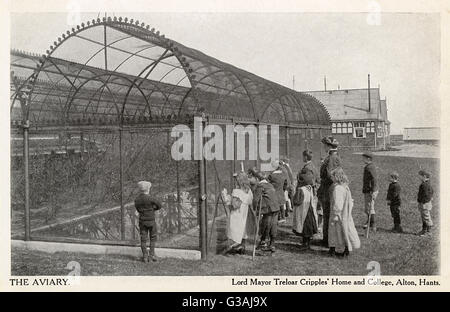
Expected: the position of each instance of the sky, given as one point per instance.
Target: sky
(401, 53)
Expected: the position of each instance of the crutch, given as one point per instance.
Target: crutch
(258, 220)
(368, 226)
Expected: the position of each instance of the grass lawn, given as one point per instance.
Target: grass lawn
(398, 254)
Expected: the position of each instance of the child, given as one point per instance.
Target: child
(146, 207)
(304, 221)
(278, 179)
(394, 201)
(342, 235)
(370, 189)
(424, 198)
(239, 202)
(265, 200)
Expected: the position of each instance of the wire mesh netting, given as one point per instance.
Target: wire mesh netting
(99, 107)
(75, 182)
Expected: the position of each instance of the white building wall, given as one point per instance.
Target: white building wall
(425, 134)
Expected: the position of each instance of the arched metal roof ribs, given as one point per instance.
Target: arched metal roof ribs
(151, 67)
(227, 86)
(121, 115)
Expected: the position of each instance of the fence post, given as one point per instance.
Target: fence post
(287, 142)
(122, 207)
(202, 203)
(257, 163)
(178, 198)
(26, 165)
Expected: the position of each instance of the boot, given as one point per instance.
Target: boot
(145, 256)
(366, 224)
(239, 249)
(270, 247)
(332, 252)
(424, 230)
(242, 249)
(344, 254)
(398, 228)
(306, 243)
(152, 253)
(262, 244)
(372, 223)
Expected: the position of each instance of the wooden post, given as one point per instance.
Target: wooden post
(202, 203)
(178, 198)
(121, 176)
(287, 142)
(26, 165)
(257, 146)
(321, 148)
(375, 134)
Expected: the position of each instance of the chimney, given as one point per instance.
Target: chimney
(325, 82)
(368, 89)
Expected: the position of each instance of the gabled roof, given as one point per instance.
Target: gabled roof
(352, 104)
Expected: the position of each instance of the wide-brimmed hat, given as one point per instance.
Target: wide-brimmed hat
(425, 174)
(330, 141)
(368, 154)
(394, 174)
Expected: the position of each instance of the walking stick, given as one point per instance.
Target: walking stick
(368, 226)
(258, 220)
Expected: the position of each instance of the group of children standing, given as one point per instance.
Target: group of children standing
(393, 198)
(269, 195)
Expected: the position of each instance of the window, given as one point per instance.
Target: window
(380, 130)
(342, 127)
(359, 130)
(360, 133)
(370, 127)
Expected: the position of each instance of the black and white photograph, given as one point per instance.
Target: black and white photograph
(275, 144)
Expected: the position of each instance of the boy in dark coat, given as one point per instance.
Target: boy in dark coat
(424, 198)
(370, 189)
(279, 179)
(265, 198)
(146, 207)
(394, 201)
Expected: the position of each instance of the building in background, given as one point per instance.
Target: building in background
(359, 117)
(422, 135)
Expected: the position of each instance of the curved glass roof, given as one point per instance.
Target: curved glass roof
(121, 70)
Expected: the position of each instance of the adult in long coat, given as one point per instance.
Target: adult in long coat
(331, 162)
